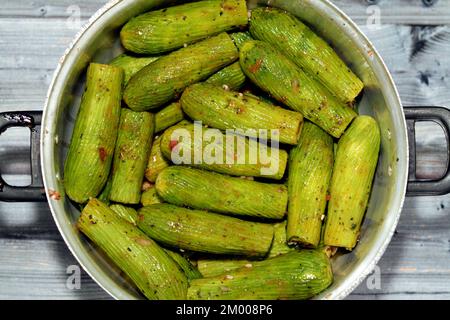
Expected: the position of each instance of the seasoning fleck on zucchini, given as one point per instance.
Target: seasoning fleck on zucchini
(204, 190)
(91, 150)
(155, 274)
(274, 73)
(172, 28)
(201, 231)
(166, 78)
(354, 169)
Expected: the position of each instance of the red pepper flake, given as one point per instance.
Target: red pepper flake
(173, 144)
(55, 195)
(102, 154)
(255, 68)
(328, 197)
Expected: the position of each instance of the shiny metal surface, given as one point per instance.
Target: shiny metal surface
(98, 42)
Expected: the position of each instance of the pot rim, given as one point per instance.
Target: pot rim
(51, 179)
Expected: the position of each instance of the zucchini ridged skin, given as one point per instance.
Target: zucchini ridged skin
(224, 109)
(205, 232)
(353, 173)
(166, 78)
(169, 116)
(156, 162)
(240, 37)
(131, 155)
(150, 197)
(203, 190)
(131, 65)
(310, 52)
(126, 213)
(91, 149)
(310, 168)
(293, 276)
(285, 81)
(215, 267)
(279, 245)
(104, 195)
(248, 169)
(168, 29)
(189, 270)
(156, 275)
(232, 76)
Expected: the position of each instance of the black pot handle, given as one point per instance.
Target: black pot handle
(34, 192)
(440, 116)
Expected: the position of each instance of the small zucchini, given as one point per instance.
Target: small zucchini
(205, 232)
(354, 169)
(91, 150)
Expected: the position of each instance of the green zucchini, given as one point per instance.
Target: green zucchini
(131, 65)
(156, 161)
(201, 231)
(169, 116)
(289, 84)
(293, 276)
(215, 267)
(310, 169)
(181, 144)
(171, 28)
(224, 109)
(131, 155)
(127, 213)
(230, 77)
(150, 197)
(354, 169)
(279, 245)
(104, 195)
(166, 78)
(211, 191)
(310, 52)
(91, 150)
(240, 37)
(139, 257)
(185, 265)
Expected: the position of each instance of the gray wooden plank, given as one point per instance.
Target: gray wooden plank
(34, 269)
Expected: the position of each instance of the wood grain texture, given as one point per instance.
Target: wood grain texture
(33, 257)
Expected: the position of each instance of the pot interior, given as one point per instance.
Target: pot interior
(98, 42)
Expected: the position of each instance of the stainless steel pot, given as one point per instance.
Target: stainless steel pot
(98, 41)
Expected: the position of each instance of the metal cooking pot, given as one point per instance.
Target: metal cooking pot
(98, 41)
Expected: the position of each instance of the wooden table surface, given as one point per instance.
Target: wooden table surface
(414, 40)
